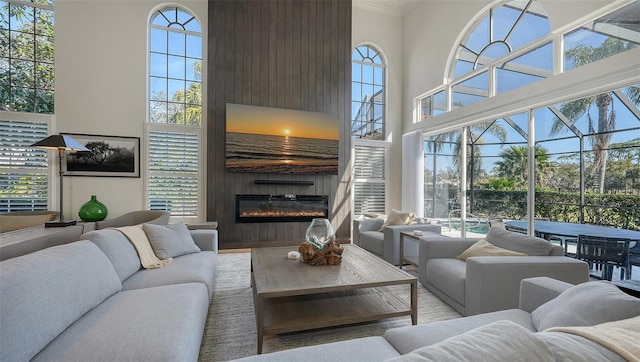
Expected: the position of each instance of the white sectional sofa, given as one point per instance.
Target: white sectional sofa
(90, 300)
(555, 321)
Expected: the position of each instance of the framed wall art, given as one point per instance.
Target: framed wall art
(113, 156)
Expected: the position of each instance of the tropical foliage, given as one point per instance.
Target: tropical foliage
(601, 126)
(26, 68)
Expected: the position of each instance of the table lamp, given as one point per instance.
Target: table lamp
(61, 143)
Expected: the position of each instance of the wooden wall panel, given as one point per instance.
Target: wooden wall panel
(283, 54)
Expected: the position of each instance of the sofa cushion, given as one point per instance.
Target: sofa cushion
(409, 338)
(153, 324)
(485, 248)
(571, 347)
(521, 243)
(586, 304)
(118, 249)
(396, 217)
(43, 293)
(171, 240)
(497, 341)
(198, 267)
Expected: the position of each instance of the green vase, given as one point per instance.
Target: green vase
(93, 210)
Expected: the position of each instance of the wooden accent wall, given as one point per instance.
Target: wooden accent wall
(283, 54)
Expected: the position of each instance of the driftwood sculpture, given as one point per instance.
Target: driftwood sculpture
(331, 254)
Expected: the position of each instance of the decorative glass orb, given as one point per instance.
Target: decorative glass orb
(320, 233)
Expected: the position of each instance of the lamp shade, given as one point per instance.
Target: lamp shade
(60, 142)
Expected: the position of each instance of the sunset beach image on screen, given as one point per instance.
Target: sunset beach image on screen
(274, 140)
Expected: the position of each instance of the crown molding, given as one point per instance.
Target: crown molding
(389, 7)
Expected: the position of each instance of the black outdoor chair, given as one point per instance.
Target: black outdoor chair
(604, 253)
(634, 258)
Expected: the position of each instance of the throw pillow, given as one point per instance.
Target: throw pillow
(170, 240)
(485, 248)
(396, 217)
(586, 304)
(521, 243)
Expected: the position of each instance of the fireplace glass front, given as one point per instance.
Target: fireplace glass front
(280, 208)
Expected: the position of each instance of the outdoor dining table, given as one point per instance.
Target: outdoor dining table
(547, 229)
(567, 232)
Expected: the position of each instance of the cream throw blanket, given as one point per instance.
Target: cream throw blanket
(140, 241)
(622, 337)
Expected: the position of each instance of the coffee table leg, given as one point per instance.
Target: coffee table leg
(260, 323)
(414, 302)
(401, 251)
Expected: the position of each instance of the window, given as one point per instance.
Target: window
(367, 94)
(173, 172)
(502, 30)
(26, 102)
(23, 169)
(369, 177)
(26, 56)
(174, 124)
(601, 38)
(368, 101)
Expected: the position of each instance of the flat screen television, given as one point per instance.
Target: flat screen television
(273, 140)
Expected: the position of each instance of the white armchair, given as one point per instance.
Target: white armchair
(484, 284)
(386, 244)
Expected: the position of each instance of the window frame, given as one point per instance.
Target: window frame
(198, 130)
(370, 63)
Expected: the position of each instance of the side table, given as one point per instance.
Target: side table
(410, 259)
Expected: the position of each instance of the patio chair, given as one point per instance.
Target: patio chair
(604, 253)
(633, 258)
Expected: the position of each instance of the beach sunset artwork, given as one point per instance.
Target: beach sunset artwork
(272, 140)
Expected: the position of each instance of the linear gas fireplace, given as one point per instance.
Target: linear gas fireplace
(280, 208)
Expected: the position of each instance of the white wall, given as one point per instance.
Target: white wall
(384, 31)
(101, 85)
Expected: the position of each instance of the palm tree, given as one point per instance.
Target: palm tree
(191, 100)
(436, 143)
(606, 121)
(514, 165)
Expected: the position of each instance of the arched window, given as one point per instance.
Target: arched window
(498, 32)
(175, 67)
(367, 93)
(174, 123)
(368, 100)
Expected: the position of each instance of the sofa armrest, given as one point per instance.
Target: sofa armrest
(534, 292)
(436, 246)
(493, 282)
(365, 225)
(207, 240)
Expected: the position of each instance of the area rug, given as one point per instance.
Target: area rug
(230, 331)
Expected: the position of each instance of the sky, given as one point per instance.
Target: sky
(281, 122)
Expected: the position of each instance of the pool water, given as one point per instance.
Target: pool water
(481, 228)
